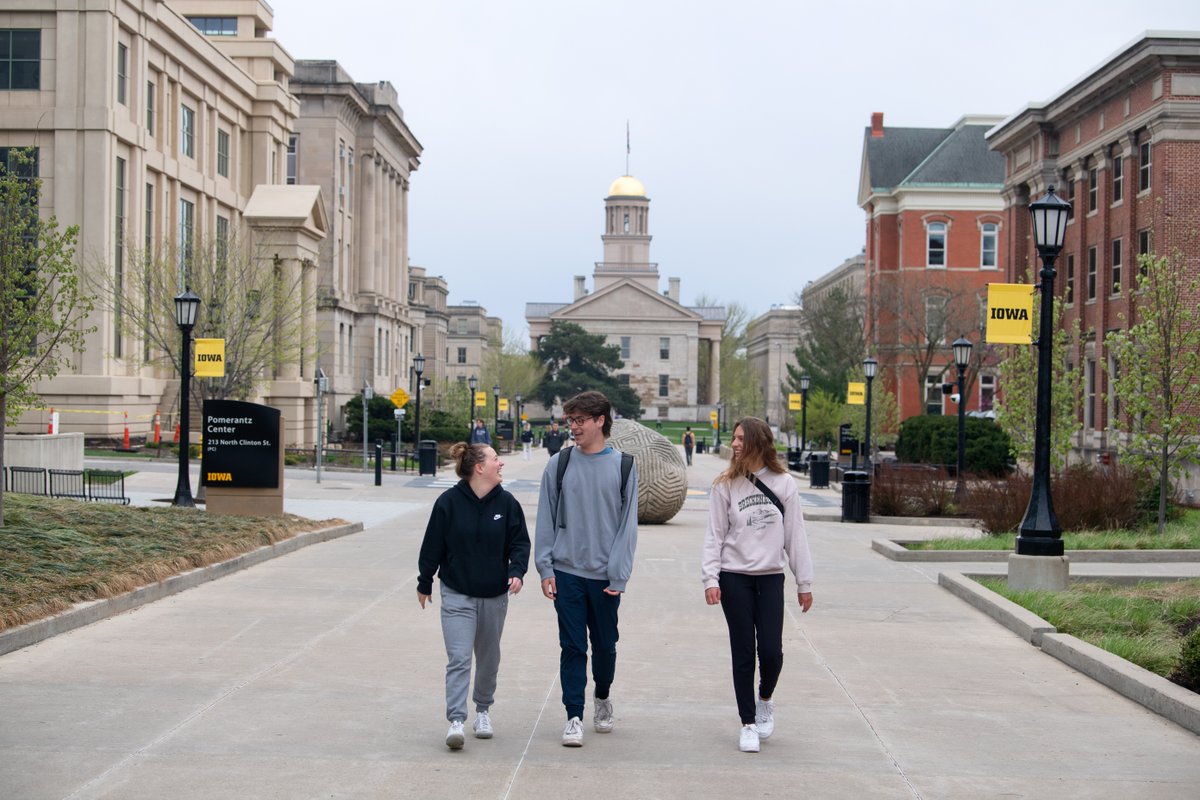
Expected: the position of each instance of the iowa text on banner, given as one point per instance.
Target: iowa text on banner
(1010, 313)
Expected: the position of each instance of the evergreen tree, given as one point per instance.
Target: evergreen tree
(832, 348)
(578, 361)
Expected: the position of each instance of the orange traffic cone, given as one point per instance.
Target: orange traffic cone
(176, 433)
(157, 427)
(125, 438)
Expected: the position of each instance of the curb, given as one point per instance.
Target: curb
(896, 550)
(1139, 685)
(95, 610)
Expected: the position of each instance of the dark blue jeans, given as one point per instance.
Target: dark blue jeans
(585, 613)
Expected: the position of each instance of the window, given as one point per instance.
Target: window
(664, 382)
(935, 252)
(462, 355)
(1118, 177)
(1093, 189)
(1114, 400)
(461, 325)
(119, 256)
(350, 179)
(1091, 273)
(292, 145)
(1071, 199)
(933, 395)
(187, 131)
(1116, 266)
(20, 59)
(149, 232)
(1143, 249)
(625, 341)
(222, 243)
(987, 392)
(626, 223)
(1069, 289)
(215, 26)
(664, 347)
(1143, 166)
(935, 319)
(150, 107)
(1089, 387)
(988, 238)
(122, 73)
(187, 229)
(223, 153)
(623, 379)
(342, 174)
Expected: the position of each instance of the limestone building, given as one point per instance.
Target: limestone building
(671, 352)
(771, 341)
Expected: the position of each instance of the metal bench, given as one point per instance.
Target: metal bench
(27, 480)
(106, 485)
(67, 483)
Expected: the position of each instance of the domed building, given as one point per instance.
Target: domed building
(671, 352)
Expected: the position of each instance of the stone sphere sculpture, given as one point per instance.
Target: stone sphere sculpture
(662, 475)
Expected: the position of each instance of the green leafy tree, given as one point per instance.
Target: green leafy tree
(508, 364)
(885, 417)
(832, 347)
(1016, 409)
(42, 306)
(577, 361)
(1158, 373)
(825, 413)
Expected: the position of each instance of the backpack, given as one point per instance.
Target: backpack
(565, 455)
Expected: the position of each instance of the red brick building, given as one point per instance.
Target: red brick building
(936, 234)
(1122, 144)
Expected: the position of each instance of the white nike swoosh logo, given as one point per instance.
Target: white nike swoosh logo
(496, 517)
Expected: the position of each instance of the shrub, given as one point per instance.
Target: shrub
(1187, 673)
(911, 491)
(999, 505)
(934, 440)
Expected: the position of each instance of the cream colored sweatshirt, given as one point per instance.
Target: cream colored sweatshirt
(747, 534)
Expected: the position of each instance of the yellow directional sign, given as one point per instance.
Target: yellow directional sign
(856, 394)
(712, 415)
(210, 358)
(795, 401)
(1010, 313)
(399, 398)
(481, 399)
(504, 404)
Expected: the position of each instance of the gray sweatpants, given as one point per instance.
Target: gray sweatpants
(471, 624)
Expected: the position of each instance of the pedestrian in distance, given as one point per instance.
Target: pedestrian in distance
(689, 444)
(478, 545)
(526, 442)
(480, 434)
(755, 524)
(583, 552)
(553, 439)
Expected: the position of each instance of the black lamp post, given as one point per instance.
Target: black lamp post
(869, 367)
(962, 357)
(496, 418)
(805, 383)
(418, 367)
(186, 306)
(1040, 534)
(717, 430)
(472, 385)
(519, 399)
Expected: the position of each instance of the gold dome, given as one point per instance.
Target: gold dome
(627, 186)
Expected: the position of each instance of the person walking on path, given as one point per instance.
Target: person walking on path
(586, 537)
(526, 442)
(553, 439)
(689, 444)
(479, 434)
(755, 523)
(477, 543)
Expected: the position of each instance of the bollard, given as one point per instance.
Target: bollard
(379, 462)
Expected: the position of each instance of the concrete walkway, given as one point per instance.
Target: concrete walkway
(317, 675)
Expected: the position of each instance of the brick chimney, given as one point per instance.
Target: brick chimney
(877, 125)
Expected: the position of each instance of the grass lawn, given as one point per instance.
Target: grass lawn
(55, 553)
(1179, 534)
(1145, 624)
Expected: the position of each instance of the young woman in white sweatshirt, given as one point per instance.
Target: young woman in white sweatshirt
(750, 537)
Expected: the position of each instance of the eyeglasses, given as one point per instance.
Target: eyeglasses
(576, 422)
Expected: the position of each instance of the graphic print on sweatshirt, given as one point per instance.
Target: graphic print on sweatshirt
(762, 511)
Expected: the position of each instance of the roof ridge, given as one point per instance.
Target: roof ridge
(950, 132)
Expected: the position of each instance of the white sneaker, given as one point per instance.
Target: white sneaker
(483, 725)
(602, 720)
(764, 718)
(749, 740)
(573, 733)
(454, 736)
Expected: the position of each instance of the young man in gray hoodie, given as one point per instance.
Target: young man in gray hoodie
(585, 541)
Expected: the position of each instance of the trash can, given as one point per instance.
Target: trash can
(818, 471)
(700, 445)
(793, 459)
(856, 496)
(427, 457)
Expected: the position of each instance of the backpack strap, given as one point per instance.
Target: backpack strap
(564, 456)
(762, 487)
(626, 468)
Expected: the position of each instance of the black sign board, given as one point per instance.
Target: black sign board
(241, 445)
(504, 430)
(847, 444)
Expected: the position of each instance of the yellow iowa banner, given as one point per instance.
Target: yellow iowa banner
(481, 399)
(210, 358)
(1010, 313)
(504, 404)
(856, 394)
(795, 402)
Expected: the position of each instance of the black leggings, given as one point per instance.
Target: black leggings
(753, 606)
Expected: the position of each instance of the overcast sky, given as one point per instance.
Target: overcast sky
(747, 120)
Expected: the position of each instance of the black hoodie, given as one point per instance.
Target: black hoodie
(474, 544)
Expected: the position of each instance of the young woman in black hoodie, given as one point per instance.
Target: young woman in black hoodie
(477, 543)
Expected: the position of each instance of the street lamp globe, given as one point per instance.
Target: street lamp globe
(869, 367)
(186, 306)
(419, 364)
(962, 352)
(473, 382)
(805, 383)
(1050, 215)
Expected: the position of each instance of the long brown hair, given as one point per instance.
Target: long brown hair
(466, 457)
(758, 449)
